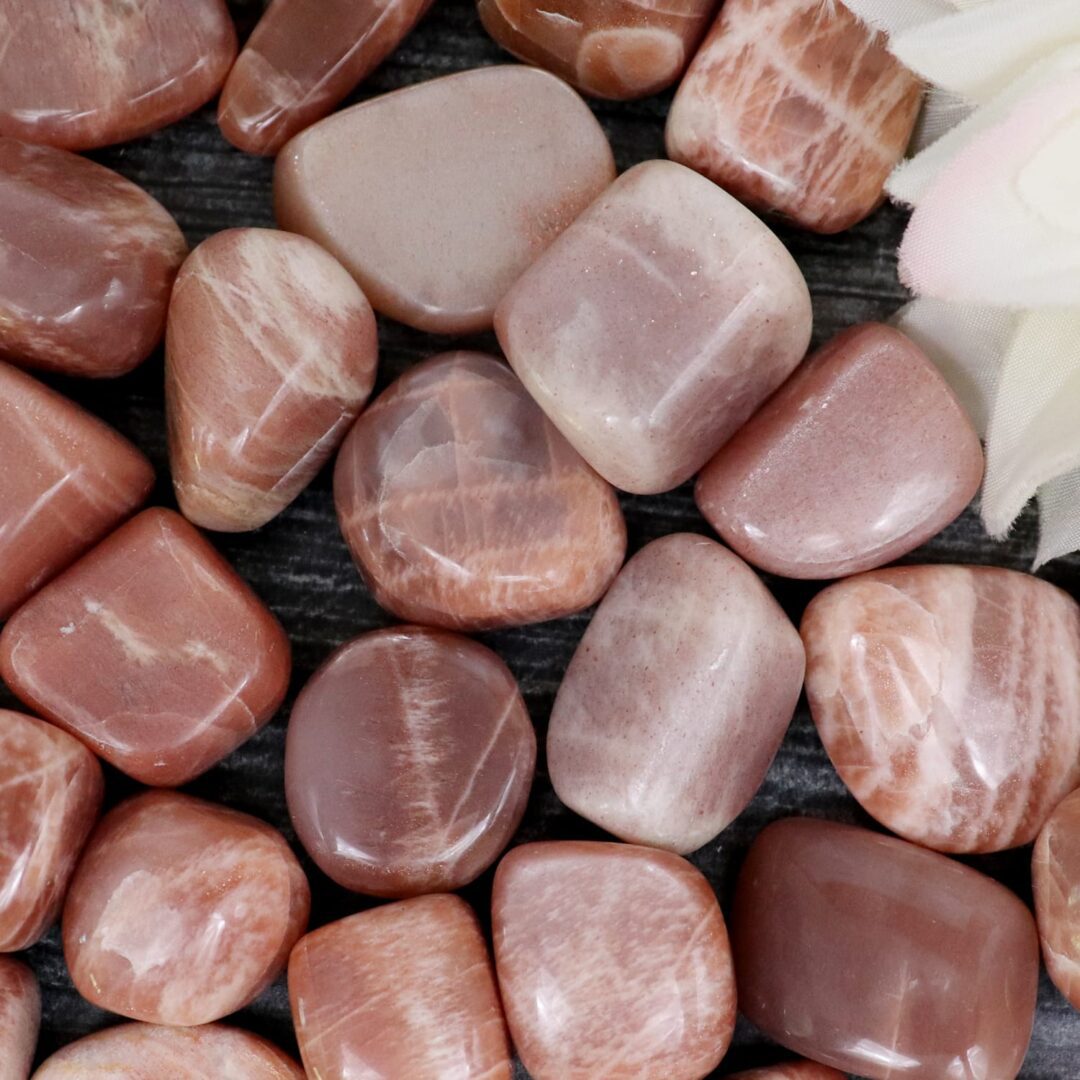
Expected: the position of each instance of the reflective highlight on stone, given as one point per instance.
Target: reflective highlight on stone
(20, 1017)
(791, 1070)
(1056, 881)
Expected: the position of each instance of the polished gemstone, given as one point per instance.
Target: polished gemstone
(408, 762)
(791, 1070)
(270, 356)
(465, 180)
(655, 325)
(464, 507)
(20, 1016)
(151, 650)
(1056, 880)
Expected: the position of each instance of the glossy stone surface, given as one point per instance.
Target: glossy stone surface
(613, 961)
(270, 356)
(677, 698)
(465, 180)
(464, 507)
(791, 1070)
(797, 108)
(181, 912)
(860, 457)
(151, 650)
(948, 698)
(20, 1016)
(98, 72)
(408, 762)
(881, 958)
(402, 990)
(655, 325)
(1056, 882)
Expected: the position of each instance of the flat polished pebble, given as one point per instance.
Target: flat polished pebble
(948, 698)
(791, 1070)
(613, 961)
(882, 958)
(270, 356)
(408, 762)
(464, 507)
(402, 990)
(151, 650)
(20, 1017)
(677, 698)
(671, 285)
(181, 912)
(1056, 881)
(860, 457)
(465, 180)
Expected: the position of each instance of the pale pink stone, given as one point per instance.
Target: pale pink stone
(1056, 882)
(791, 1070)
(20, 1016)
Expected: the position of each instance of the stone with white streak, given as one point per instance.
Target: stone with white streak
(1056, 881)
(20, 1017)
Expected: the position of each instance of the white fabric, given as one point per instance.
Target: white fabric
(1059, 518)
(942, 110)
(893, 16)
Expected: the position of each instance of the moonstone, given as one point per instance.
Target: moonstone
(797, 108)
(151, 650)
(270, 356)
(948, 698)
(677, 698)
(863, 454)
(613, 961)
(791, 1070)
(465, 180)
(180, 911)
(655, 325)
(882, 958)
(408, 762)
(1056, 881)
(20, 1016)
(464, 507)
(403, 990)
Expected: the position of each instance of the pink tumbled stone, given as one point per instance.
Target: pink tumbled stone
(1056, 881)
(20, 1016)
(180, 911)
(403, 990)
(655, 325)
(677, 698)
(863, 454)
(791, 1070)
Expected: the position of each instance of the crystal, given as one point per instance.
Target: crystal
(20, 1017)
(1056, 881)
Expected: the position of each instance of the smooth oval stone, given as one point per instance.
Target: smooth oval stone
(881, 958)
(465, 180)
(464, 507)
(402, 990)
(791, 1070)
(677, 698)
(270, 356)
(613, 961)
(97, 72)
(948, 698)
(20, 1017)
(408, 762)
(861, 456)
(669, 284)
(1056, 882)
(797, 108)
(180, 911)
(151, 650)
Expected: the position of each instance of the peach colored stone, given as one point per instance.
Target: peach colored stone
(464, 507)
(791, 1070)
(797, 108)
(181, 912)
(403, 990)
(1056, 881)
(20, 1016)
(151, 650)
(270, 356)
(948, 698)
(465, 180)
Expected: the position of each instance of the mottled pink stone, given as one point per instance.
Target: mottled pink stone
(791, 1070)
(20, 1016)
(1056, 881)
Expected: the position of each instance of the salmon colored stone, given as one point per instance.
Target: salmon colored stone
(402, 990)
(797, 108)
(151, 650)
(464, 507)
(465, 180)
(1056, 881)
(792, 1070)
(181, 911)
(948, 698)
(20, 1016)
(270, 356)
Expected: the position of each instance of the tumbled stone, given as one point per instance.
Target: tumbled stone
(1056, 882)
(20, 1016)
(797, 108)
(151, 650)
(408, 762)
(464, 507)
(881, 958)
(677, 698)
(791, 1070)
(270, 356)
(948, 698)
(97, 72)
(180, 911)
(861, 456)
(465, 180)
(402, 990)
(613, 960)
(668, 283)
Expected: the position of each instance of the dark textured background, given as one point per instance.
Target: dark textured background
(300, 566)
